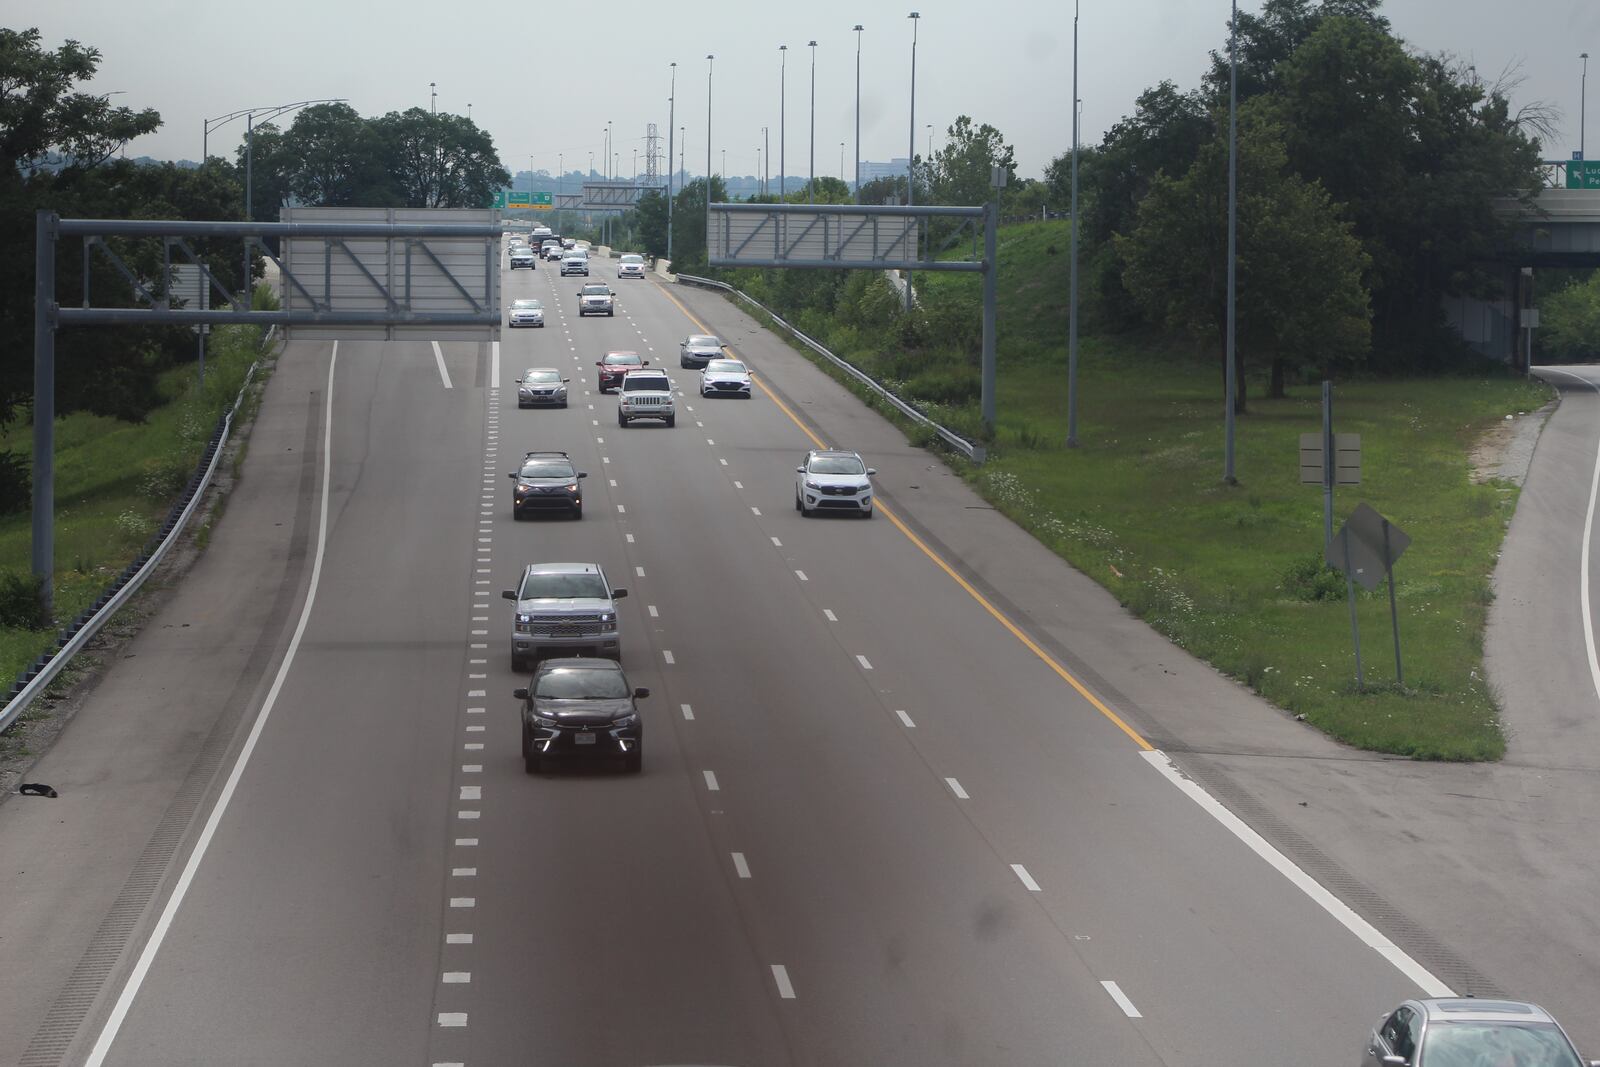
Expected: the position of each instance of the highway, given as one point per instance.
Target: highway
(878, 823)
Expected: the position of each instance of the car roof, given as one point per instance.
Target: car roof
(705, 338)
(621, 352)
(647, 372)
(595, 663)
(1464, 1009)
(835, 452)
(543, 370)
(548, 451)
(562, 568)
(526, 303)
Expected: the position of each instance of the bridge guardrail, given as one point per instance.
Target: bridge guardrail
(972, 450)
(72, 638)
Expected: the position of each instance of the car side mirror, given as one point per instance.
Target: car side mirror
(519, 381)
(511, 474)
(640, 693)
(520, 694)
(583, 474)
(872, 470)
(508, 594)
(799, 470)
(1393, 1061)
(618, 594)
(564, 381)
(599, 363)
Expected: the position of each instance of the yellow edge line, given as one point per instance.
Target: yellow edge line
(998, 615)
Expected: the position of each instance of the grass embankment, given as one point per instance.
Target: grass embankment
(1232, 573)
(115, 482)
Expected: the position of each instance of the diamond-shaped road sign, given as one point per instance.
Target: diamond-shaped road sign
(1373, 544)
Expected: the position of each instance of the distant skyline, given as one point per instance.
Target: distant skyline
(1009, 65)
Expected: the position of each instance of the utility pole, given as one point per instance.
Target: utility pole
(857, 175)
(1233, 229)
(812, 183)
(911, 150)
(783, 66)
(711, 61)
(1072, 285)
(672, 120)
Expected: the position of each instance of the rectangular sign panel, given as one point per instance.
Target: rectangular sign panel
(399, 275)
(866, 239)
(1346, 459)
(1583, 174)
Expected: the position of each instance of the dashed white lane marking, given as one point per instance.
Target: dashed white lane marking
(613, 482)
(711, 781)
(1027, 879)
(777, 543)
(466, 842)
(471, 792)
(1122, 1000)
(755, 511)
(738, 484)
(475, 729)
(780, 974)
(629, 537)
(595, 421)
(830, 616)
(740, 865)
(456, 977)
(1365, 931)
(605, 459)
(639, 571)
(621, 509)
(458, 939)
(438, 357)
(453, 1063)
(955, 787)
(463, 902)
(723, 462)
(709, 441)
(467, 813)
(654, 613)
(477, 693)
(802, 576)
(452, 1018)
(473, 746)
(472, 768)
(463, 872)
(599, 440)
(866, 666)
(688, 712)
(666, 654)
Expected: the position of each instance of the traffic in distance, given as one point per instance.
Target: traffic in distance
(579, 709)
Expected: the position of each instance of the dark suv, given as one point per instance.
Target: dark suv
(546, 481)
(581, 708)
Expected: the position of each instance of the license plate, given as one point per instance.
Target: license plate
(583, 739)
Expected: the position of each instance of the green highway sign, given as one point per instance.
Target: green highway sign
(1583, 174)
(511, 200)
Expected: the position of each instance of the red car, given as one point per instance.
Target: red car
(615, 365)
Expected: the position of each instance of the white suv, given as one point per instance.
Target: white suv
(575, 262)
(646, 394)
(833, 480)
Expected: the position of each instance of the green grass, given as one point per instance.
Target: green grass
(1140, 506)
(115, 482)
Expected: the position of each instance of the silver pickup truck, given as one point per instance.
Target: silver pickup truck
(565, 609)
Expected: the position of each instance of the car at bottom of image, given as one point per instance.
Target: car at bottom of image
(725, 377)
(646, 394)
(698, 350)
(522, 256)
(526, 313)
(1466, 1032)
(547, 481)
(541, 387)
(576, 708)
(835, 480)
(613, 365)
(596, 299)
(564, 609)
(630, 266)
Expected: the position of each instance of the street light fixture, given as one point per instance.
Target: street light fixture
(810, 185)
(857, 173)
(711, 62)
(672, 119)
(1072, 284)
(911, 151)
(1228, 476)
(1583, 103)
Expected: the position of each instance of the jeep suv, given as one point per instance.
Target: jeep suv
(596, 299)
(646, 394)
(568, 609)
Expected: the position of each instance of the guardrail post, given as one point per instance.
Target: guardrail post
(44, 407)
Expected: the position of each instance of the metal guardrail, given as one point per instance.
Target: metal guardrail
(71, 639)
(975, 452)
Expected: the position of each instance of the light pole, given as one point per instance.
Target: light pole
(672, 118)
(841, 162)
(530, 172)
(711, 61)
(611, 171)
(1233, 226)
(469, 110)
(1072, 284)
(929, 157)
(810, 185)
(857, 172)
(1583, 103)
(911, 151)
(433, 98)
(783, 66)
(591, 166)
(766, 159)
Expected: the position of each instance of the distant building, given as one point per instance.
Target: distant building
(895, 168)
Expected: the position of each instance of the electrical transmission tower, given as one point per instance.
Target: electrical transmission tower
(652, 148)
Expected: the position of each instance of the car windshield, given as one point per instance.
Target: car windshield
(837, 465)
(522, 250)
(581, 683)
(732, 366)
(622, 359)
(545, 469)
(563, 586)
(632, 259)
(645, 383)
(542, 376)
(1473, 1043)
(703, 341)
(526, 305)
(596, 290)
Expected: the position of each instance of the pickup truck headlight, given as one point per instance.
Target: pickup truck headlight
(524, 618)
(608, 617)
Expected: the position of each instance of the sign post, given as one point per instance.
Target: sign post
(1365, 549)
(1331, 459)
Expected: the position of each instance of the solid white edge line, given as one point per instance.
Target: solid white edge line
(130, 989)
(494, 364)
(1122, 1000)
(438, 357)
(1583, 561)
(780, 974)
(1342, 912)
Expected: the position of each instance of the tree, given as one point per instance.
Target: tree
(1570, 321)
(440, 160)
(270, 164)
(1268, 39)
(335, 157)
(884, 190)
(1301, 303)
(960, 173)
(650, 221)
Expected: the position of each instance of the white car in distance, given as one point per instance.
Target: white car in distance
(522, 256)
(725, 377)
(527, 313)
(833, 480)
(631, 266)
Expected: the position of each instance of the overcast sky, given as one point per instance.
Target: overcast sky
(544, 78)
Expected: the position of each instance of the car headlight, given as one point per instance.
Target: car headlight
(813, 485)
(863, 488)
(630, 719)
(524, 618)
(608, 616)
(544, 720)
(573, 488)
